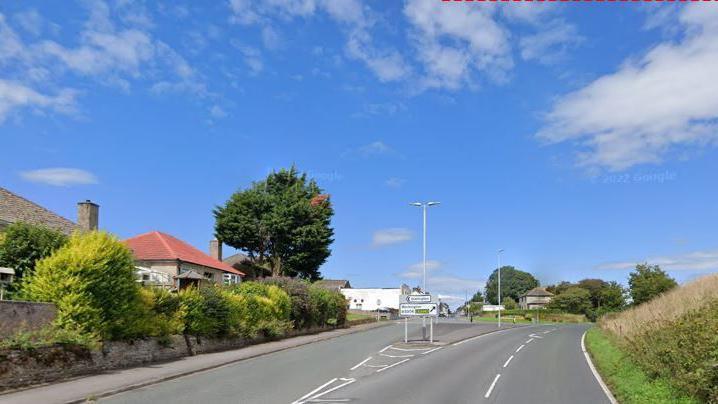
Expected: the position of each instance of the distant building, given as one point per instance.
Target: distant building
(166, 261)
(14, 208)
(536, 298)
(493, 307)
(333, 284)
(370, 299)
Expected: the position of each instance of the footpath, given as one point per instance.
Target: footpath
(88, 388)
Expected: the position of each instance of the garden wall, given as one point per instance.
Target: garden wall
(18, 316)
(23, 367)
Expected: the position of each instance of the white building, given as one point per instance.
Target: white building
(370, 299)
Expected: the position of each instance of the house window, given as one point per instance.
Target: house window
(209, 275)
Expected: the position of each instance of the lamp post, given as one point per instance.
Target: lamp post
(498, 259)
(424, 206)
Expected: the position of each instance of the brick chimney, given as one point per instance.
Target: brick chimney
(88, 215)
(215, 249)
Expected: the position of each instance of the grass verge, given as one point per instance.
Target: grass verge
(357, 316)
(628, 383)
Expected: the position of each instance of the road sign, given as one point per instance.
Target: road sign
(418, 309)
(415, 299)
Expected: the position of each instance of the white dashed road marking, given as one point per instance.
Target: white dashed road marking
(491, 388)
(509, 360)
(520, 348)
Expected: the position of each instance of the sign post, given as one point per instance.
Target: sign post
(418, 306)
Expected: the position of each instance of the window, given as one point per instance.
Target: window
(209, 275)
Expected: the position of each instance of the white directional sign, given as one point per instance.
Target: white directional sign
(415, 299)
(418, 309)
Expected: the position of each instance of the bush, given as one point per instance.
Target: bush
(298, 291)
(328, 308)
(161, 315)
(260, 309)
(22, 245)
(206, 312)
(675, 336)
(91, 281)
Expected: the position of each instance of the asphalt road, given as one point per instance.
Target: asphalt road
(376, 367)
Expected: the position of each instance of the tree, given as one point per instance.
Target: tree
(282, 222)
(91, 280)
(574, 300)
(22, 245)
(477, 297)
(559, 287)
(647, 282)
(514, 283)
(613, 297)
(509, 303)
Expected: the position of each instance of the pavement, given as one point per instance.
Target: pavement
(542, 363)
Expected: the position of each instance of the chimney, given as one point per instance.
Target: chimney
(215, 249)
(88, 214)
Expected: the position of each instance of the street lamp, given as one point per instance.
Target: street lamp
(424, 206)
(498, 258)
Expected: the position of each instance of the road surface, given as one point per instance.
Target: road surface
(541, 364)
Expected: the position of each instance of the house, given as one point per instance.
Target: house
(371, 299)
(14, 208)
(536, 298)
(241, 262)
(6, 276)
(334, 285)
(166, 261)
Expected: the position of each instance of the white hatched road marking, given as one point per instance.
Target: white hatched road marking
(392, 365)
(493, 384)
(385, 348)
(410, 349)
(299, 401)
(509, 360)
(428, 352)
(397, 356)
(316, 396)
(361, 363)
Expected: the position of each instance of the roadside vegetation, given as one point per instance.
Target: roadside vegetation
(673, 338)
(90, 279)
(628, 382)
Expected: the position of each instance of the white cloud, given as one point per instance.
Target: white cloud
(60, 176)
(385, 237)
(665, 100)
(416, 271)
(217, 112)
(15, 95)
(551, 44)
(693, 261)
(30, 21)
(373, 149)
(452, 42)
(394, 182)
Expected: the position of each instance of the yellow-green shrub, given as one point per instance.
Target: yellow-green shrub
(91, 281)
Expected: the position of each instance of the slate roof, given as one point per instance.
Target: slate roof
(537, 292)
(333, 284)
(158, 246)
(14, 208)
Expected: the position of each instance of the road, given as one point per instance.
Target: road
(541, 364)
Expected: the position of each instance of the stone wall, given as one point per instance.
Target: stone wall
(18, 316)
(23, 367)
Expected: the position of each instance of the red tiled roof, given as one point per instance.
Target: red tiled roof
(156, 245)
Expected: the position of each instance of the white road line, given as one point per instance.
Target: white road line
(428, 352)
(410, 349)
(608, 393)
(397, 356)
(330, 400)
(535, 336)
(482, 335)
(299, 400)
(385, 348)
(520, 348)
(493, 384)
(376, 366)
(346, 382)
(547, 331)
(529, 340)
(509, 360)
(392, 365)
(361, 363)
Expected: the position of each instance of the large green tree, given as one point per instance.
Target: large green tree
(22, 245)
(647, 282)
(514, 283)
(574, 300)
(282, 222)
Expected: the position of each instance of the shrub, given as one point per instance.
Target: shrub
(206, 311)
(328, 308)
(260, 309)
(675, 336)
(574, 300)
(161, 315)
(91, 281)
(298, 291)
(22, 245)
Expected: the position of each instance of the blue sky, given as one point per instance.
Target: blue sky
(578, 137)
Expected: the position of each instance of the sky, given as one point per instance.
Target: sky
(580, 138)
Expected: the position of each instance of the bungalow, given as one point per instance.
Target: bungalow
(536, 298)
(14, 208)
(333, 284)
(166, 261)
